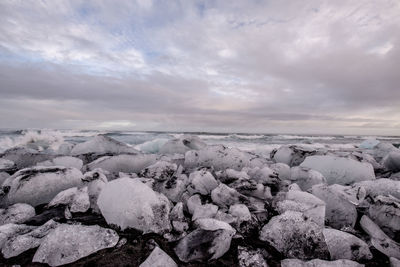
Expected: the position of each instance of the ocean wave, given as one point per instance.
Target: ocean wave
(289, 137)
(247, 137)
(38, 139)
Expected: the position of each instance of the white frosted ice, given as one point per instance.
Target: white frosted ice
(76, 199)
(369, 144)
(193, 202)
(65, 161)
(209, 241)
(306, 177)
(123, 163)
(339, 212)
(385, 212)
(152, 146)
(69, 243)
(221, 158)
(294, 236)
(240, 212)
(3, 176)
(204, 211)
(17, 244)
(95, 181)
(225, 196)
(174, 187)
(311, 206)
(291, 155)
(337, 170)
(161, 170)
(392, 161)
(17, 213)
(202, 182)
(382, 186)
(128, 203)
(158, 258)
(263, 175)
(39, 185)
(182, 144)
(354, 194)
(102, 144)
(6, 164)
(343, 245)
(282, 169)
(284, 155)
(379, 239)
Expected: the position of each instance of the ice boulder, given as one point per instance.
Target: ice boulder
(161, 170)
(178, 219)
(343, 245)
(128, 203)
(65, 161)
(339, 212)
(385, 212)
(17, 213)
(68, 243)
(282, 169)
(264, 175)
(158, 258)
(38, 185)
(182, 145)
(220, 158)
(311, 206)
(241, 214)
(293, 235)
(382, 186)
(174, 187)
(319, 263)
(21, 242)
(224, 196)
(291, 155)
(394, 262)
(202, 182)
(3, 176)
(209, 241)
(369, 144)
(337, 170)
(152, 146)
(102, 144)
(25, 157)
(123, 163)
(392, 161)
(382, 149)
(77, 200)
(6, 165)
(379, 239)
(305, 177)
(95, 181)
(204, 211)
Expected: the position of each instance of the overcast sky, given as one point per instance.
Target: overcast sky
(231, 66)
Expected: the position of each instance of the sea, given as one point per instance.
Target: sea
(150, 142)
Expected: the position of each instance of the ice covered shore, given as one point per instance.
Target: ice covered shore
(102, 202)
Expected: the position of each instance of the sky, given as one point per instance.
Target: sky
(330, 67)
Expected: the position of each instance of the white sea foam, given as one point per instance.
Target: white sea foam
(42, 139)
(283, 136)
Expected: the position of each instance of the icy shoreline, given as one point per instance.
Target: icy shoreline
(105, 202)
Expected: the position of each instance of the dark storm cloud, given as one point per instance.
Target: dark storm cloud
(266, 66)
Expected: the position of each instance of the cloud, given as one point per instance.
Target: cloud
(251, 66)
